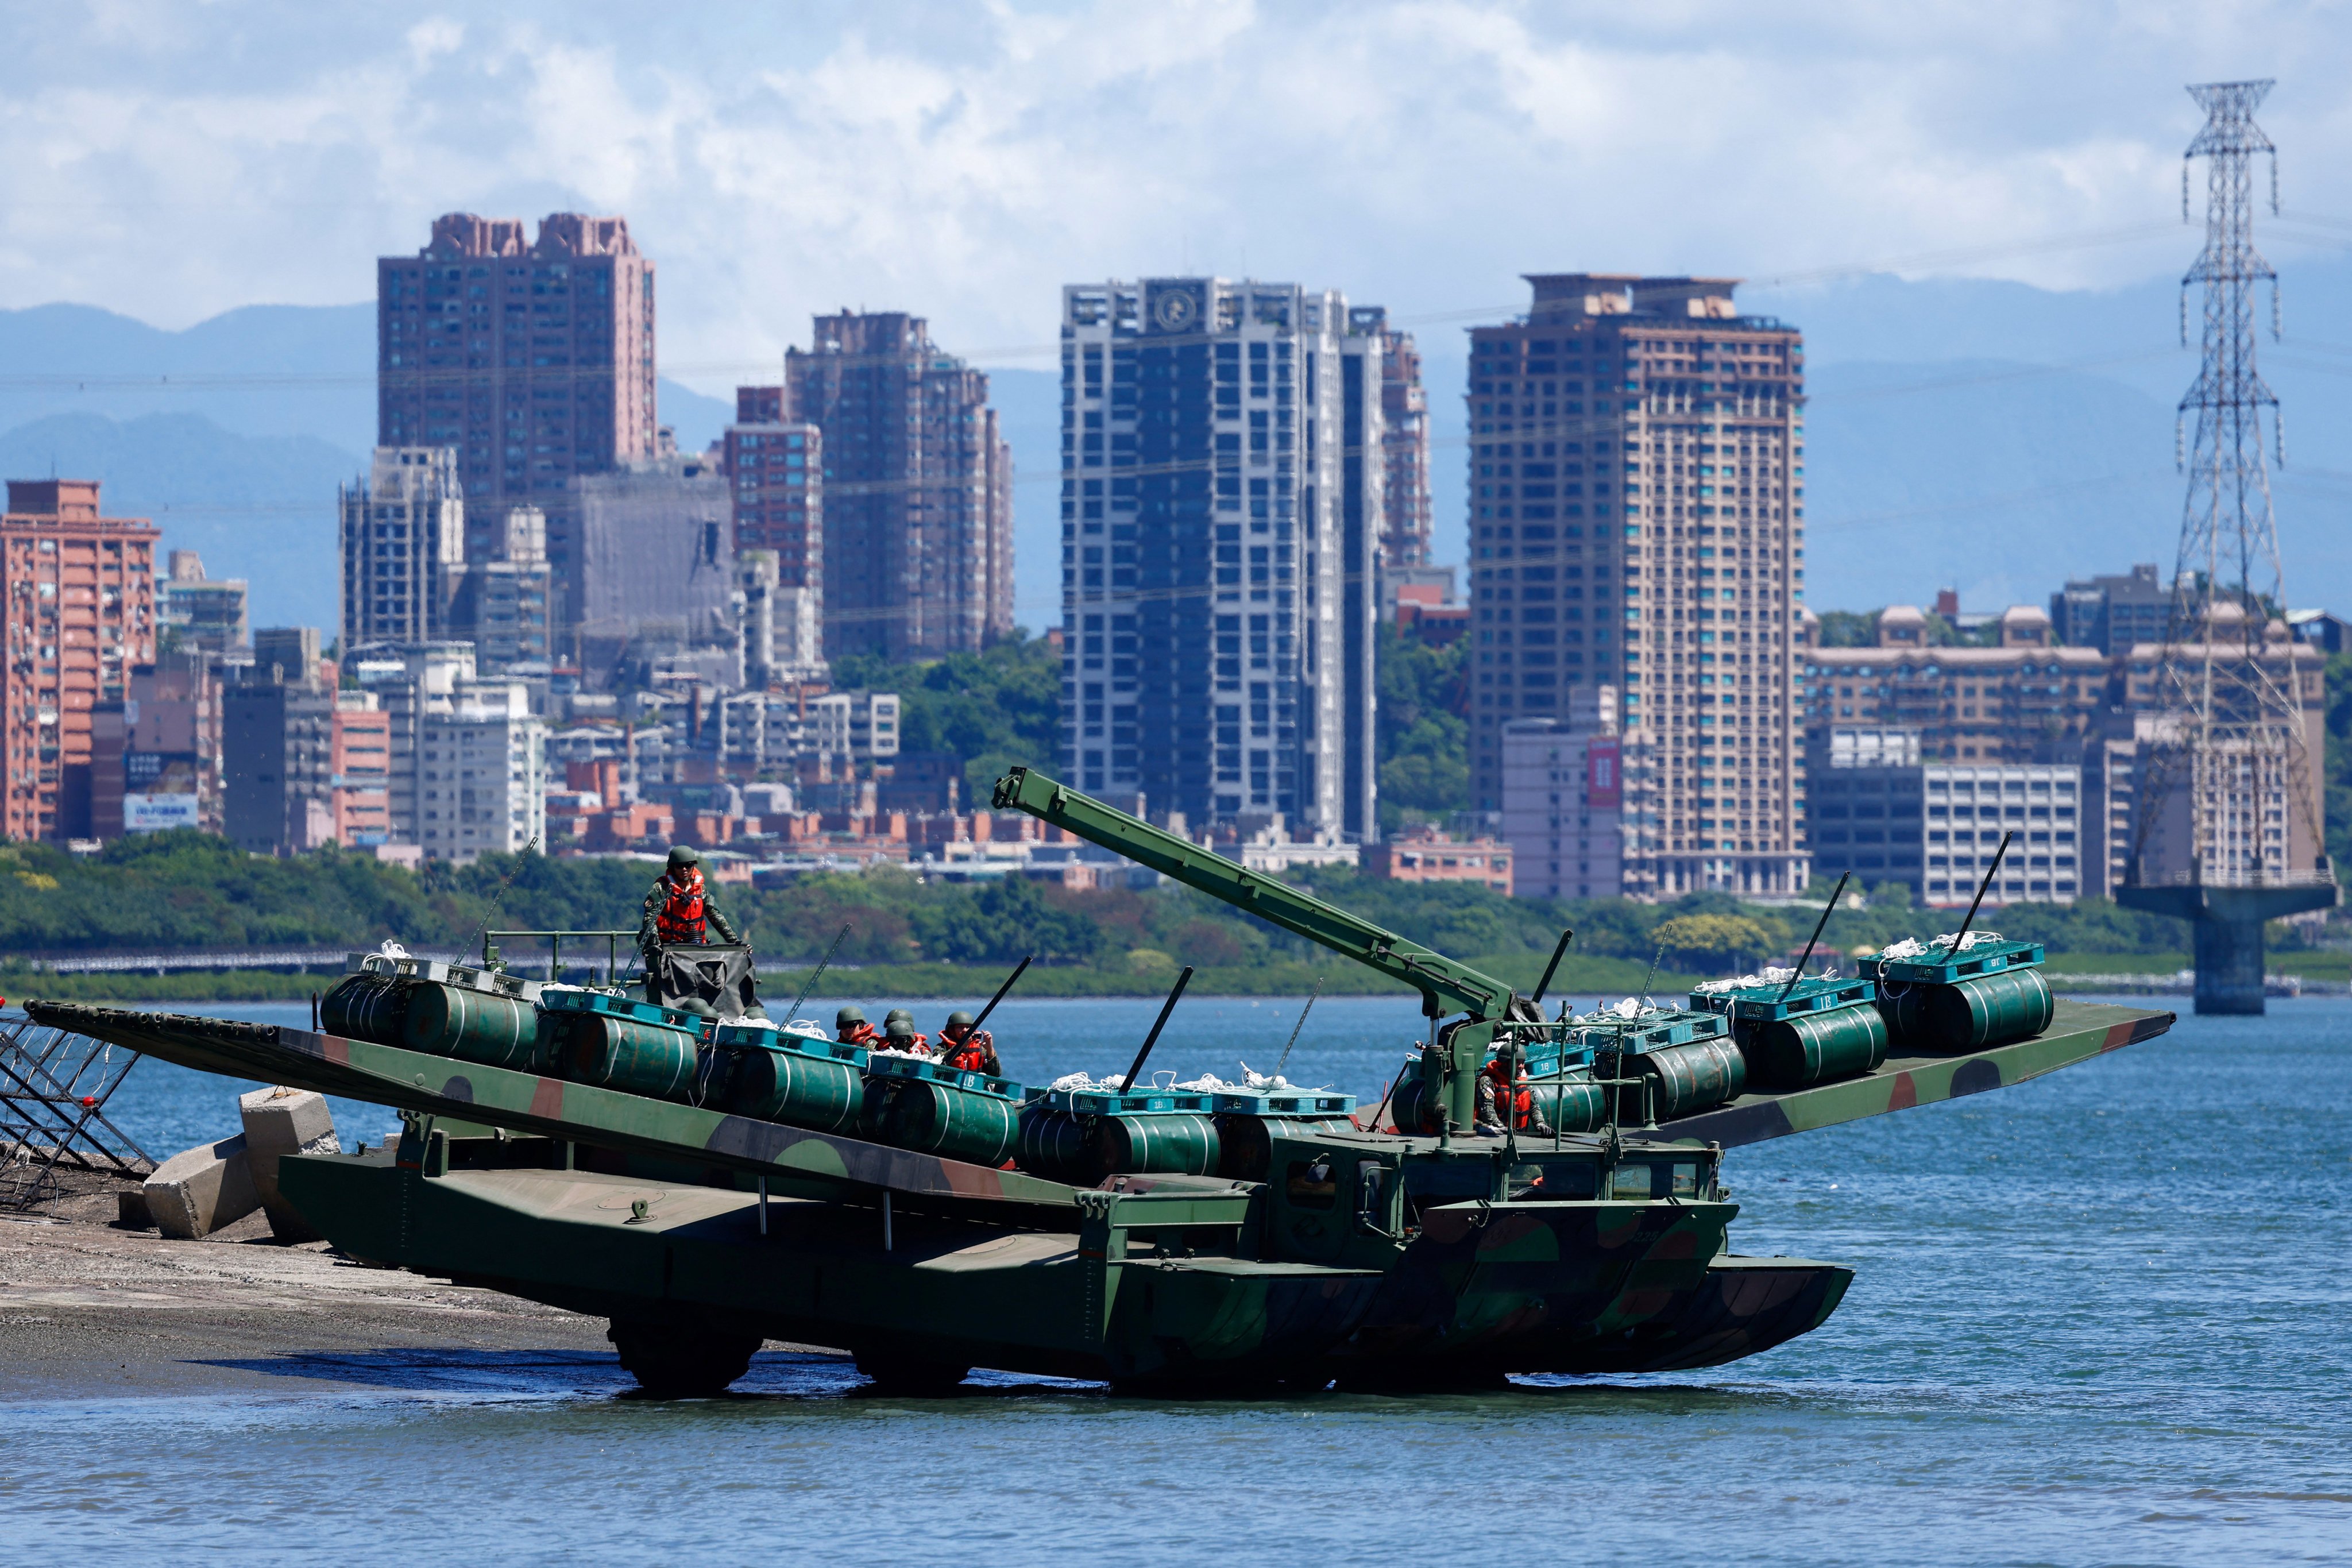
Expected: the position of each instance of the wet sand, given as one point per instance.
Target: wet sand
(90, 1308)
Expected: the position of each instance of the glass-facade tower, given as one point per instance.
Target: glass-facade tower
(1222, 497)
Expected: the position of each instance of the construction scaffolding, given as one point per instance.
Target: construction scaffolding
(54, 1086)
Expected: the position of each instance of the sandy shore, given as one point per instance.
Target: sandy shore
(89, 1307)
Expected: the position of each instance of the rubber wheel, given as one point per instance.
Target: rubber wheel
(681, 1363)
(910, 1376)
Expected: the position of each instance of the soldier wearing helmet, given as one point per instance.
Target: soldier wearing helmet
(910, 1039)
(966, 1051)
(1505, 1099)
(850, 1027)
(678, 908)
(678, 912)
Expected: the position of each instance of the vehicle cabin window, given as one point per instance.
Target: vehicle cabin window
(1629, 1182)
(1313, 1184)
(1686, 1180)
(1556, 1181)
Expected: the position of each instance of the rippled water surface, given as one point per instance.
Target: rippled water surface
(2101, 1317)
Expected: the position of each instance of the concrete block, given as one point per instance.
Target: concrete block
(199, 1190)
(131, 1209)
(277, 1123)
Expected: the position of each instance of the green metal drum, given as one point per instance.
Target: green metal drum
(774, 1083)
(1246, 1143)
(372, 1007)
(472, 1026)
(1816, 1047)
(1570, 1104)
(1054, 1145)
(628, 1053)
(1970, 1015)
(934, 1118)
(1682, 1079)
(1177, 1145)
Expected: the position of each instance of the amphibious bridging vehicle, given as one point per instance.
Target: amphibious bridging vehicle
(710, 1184)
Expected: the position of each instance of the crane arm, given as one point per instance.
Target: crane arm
(1268, 897)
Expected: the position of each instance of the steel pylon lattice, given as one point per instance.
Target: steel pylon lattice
(2228, 801)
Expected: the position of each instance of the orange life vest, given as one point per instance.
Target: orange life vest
(860, 1035)
(1515, 1103)
(681, 919)
(970, 1054)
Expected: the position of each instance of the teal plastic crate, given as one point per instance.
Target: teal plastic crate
(1763, 1004)
(1977, 958)
(621, 1007)
(1653, 1031)
(1548, 1059)
(815, 1046)
(1105, 1102)
(915, 1067)
(1280, 1102)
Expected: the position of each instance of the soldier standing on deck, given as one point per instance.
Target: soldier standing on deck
(679, 910)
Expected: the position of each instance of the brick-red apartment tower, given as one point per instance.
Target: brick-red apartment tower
(534, 360)
(80, 594)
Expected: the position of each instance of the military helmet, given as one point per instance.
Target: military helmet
(847, 1017)
(959, 1018)
(685, 855)
(898, 1016)
(900, 1029)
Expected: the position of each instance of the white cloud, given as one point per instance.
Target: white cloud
(173, 162)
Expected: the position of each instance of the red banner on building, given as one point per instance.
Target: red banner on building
(1603, 786)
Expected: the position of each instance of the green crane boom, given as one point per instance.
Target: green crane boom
(1435, 975)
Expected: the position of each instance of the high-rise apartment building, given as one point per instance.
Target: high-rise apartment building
(482, 774)
(409, 684)
(508, 598)
(1408, 520)
(918, 520)
(1221, 488)
(1563, 800)
(200, 612)
(2111, 612)
(775, 475)
(534, 360)
(77, 600)
(278, 730)
(359, 756)
(403, 546)
(1883, 813)
(2022, 699)
(1637, 520)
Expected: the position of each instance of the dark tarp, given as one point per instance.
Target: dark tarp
(719, 975)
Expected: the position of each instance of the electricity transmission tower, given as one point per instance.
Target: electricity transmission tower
(2229, 830)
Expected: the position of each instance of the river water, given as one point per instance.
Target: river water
(2100, 1317)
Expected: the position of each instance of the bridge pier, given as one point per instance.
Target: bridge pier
(2226, 931)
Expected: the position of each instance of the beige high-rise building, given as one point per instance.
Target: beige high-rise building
(1636, 516)
(403, 547)
(917, 527)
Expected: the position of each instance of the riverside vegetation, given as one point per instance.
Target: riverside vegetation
(184, 890)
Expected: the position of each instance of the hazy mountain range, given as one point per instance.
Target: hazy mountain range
(1988, 437)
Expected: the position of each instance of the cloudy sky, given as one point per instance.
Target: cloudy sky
(171, 160)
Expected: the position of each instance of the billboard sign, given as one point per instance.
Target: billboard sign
(158, 791)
